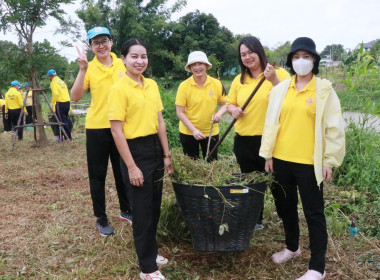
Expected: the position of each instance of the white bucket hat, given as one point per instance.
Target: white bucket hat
(197, 56)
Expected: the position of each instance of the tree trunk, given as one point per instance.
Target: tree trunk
(41, 139)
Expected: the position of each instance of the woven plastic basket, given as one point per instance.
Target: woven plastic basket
(204, 212)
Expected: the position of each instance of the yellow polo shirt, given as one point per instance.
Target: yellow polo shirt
(2, 102)
(59, 91)
(137, 106)
(13, 100)
(200, 104)
(99, 80)
(295, 138)
(252, 123)
(29, 99)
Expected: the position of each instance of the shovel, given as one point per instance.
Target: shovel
(209, 139)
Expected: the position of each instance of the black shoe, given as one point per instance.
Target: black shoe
(104, 227)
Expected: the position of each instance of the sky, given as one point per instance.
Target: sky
(346, 22)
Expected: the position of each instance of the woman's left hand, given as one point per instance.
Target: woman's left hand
(168, 165)
(326, 172)
(270, 74)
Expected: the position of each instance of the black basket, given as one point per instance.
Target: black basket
(204, 212)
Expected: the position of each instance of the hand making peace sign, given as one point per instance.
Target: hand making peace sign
(82, 58)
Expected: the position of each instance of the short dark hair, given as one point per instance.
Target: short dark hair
(132, 42)
(109, 37)
(315, 69)
(254, 45)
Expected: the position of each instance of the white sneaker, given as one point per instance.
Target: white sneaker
(312, 275)
(152, 276)
(285, 255)
(160, 260)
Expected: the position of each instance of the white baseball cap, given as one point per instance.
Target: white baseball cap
(197, 56)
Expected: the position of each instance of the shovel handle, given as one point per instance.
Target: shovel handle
(234, 120)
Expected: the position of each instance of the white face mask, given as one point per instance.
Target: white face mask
(302, 66)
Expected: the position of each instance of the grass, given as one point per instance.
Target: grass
(48, 229)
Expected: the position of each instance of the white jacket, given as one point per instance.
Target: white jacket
(329, 145)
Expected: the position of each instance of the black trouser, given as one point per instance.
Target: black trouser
(190, 146)
(29, 117)
(289, 175)
(62, 110)
(100, 147)
(146, 200)
(13, 115)
(246, 149)
(6, 122)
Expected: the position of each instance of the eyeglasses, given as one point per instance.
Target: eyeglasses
(97, 44)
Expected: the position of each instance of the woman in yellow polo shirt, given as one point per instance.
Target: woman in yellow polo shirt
(139, 131)
(250, 123)
(303, 139)
(196, 105)
(98, 76)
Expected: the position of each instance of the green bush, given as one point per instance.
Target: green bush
(170, 117)
(360, 167)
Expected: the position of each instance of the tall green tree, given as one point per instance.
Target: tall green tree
(10, 64)
(24, 17)
(148, 20)
(279, 55)
(200, 31)
(375, 50)
(335, 50)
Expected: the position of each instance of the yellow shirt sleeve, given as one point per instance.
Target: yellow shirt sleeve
(160, 106)
(117, 104)
(232, 94)
(180, 99)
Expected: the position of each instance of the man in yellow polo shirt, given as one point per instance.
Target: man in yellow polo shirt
(13, 106)
(60, 100)
(98, 76)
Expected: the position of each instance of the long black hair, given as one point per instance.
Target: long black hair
(132, 42)
(254, 45)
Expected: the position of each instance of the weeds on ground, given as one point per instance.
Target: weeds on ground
(221, 172)
(47, 228)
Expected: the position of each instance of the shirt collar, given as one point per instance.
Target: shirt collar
(133, 83)
(193, 83)
(114, 57)
(248, 79)
(309, 87)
